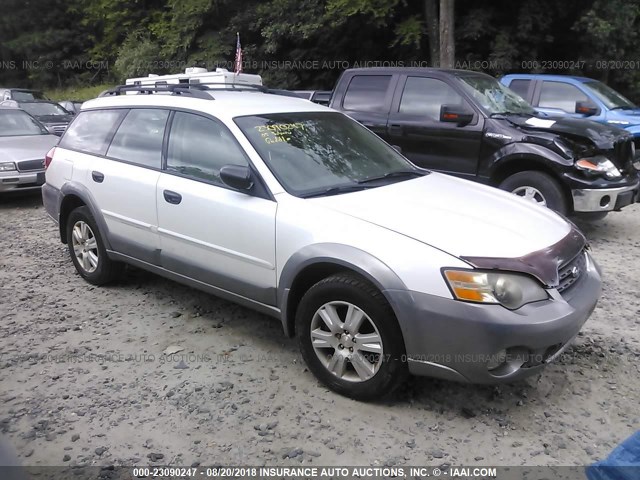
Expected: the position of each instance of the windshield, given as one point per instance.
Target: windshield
(17, 123)
(494, 97)
(43, 108)
(315, 153)
(609, 96)
(27, 95)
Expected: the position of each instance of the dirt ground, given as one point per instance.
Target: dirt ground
(84, 380)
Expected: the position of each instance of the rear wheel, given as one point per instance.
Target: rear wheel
(350, 339)
(537, 187)
(87, 249)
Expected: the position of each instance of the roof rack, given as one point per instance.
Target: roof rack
(174, 89)
(196, 90)
(238, 87)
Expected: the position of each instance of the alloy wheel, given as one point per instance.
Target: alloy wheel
(346, 341)
(532, 194)
(85, 246)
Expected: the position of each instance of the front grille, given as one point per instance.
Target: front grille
(623, 152)
(571, 272)
(31, 165)
(59, 128)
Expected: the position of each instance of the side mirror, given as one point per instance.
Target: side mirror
(587, 108)
(236, 176)
(455, 114)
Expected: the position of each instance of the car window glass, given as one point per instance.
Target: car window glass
(91, 131)
(139, 137)
(310, 152)
(560, 95)
(199, 147)
(521, 87)
(18, 123)
(425, 96)
(366, 93)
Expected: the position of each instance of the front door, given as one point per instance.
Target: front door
(414, 125)
(208, 231)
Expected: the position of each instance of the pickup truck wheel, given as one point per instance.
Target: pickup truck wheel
(87, 249)
(350, 338)
(538, 187)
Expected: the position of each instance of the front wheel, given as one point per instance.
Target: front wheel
(537, 187)
(350, 338)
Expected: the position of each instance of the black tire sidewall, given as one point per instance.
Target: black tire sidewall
(102, 273)
(393, 368)
(544, 183)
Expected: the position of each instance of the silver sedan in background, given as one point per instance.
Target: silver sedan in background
(24, 143)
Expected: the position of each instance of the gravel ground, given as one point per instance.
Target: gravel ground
(150, 372)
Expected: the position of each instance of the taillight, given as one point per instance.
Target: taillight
(48, 157)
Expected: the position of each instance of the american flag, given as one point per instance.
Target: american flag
(238, 66)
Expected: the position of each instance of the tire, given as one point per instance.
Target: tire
(86, 242)
(536, 186)
(362, 372)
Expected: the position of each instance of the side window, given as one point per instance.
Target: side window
(560, 95)
(521, 87)
(366, 93)
(139, 137)
(199, 147)
(425, 96)
(91, 131)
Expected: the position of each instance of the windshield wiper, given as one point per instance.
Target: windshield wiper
(396, 174)
(351, 187)
(622, 107)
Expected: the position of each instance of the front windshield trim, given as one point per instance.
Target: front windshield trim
(333, 188)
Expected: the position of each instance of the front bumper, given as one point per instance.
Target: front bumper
(455, 340)
(16, 180)
(603, 199)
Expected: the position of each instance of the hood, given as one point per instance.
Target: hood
(457, 216)
(629, 117)
(603, 136)
(29, 147)
(54, 119)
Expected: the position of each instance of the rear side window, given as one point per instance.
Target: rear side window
(560, 95)
(367, 93)
(139, 137)
(521, 87)
(199, 147)
(91, 131)
(425, 96)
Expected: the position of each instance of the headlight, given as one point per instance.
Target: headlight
(599, 164)
(7, 166)
(511, 290)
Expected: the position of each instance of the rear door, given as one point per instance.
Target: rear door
(524, 87)
(414, 125)
(208, 231)
(118, 158)
(367, 99)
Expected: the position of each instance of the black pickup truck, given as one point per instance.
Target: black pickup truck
(468, 124)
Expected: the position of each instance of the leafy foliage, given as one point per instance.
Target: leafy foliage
(307, 43)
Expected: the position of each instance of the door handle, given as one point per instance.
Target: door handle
(97, 176)
(395, 129)
(172, 197)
